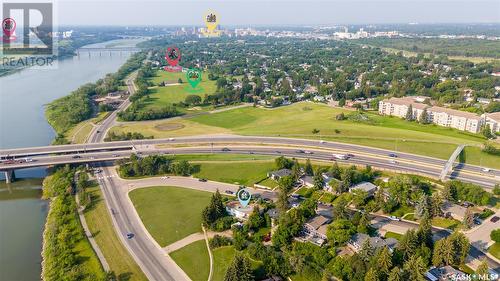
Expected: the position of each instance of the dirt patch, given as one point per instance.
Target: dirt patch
(169, 126)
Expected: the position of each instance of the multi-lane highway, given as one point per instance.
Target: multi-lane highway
(379, 158)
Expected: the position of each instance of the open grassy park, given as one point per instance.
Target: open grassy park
(101, 227)
(245, 173)
(175, 92)
(197, 254)
(194, 260)
(170, 213)
(495, 250)
(299, 120)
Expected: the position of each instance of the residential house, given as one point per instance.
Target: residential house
(369, 187)
(307, 181)
(234, 208)
(453, 210)
(315, 229)
(357, 240)
(445, 273)
(483, 100)
(276, 175)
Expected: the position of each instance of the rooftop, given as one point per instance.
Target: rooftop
(443, 273)
(317, 221)
(281, 173)
(366, 186)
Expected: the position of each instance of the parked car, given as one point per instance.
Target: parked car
(394, 218)
(202, 179)
(229, 192)
(130, 235)
(494, 219)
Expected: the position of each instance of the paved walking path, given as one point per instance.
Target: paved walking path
(209, 254)
(89, 235)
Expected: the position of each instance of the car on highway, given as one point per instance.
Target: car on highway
(76, 156)
(393, 161)
(251, 152)
(486, 170)
(321, 141)
(277, 151)
(92, 157)
(171, 139)
(394, 218)
(300, 151)
(226, 149)
(130, 235)
(394, 155)
(98, 132)
(308, 152)
(202, 180)
(115, 155)
(350, 155)
(7, 162)
(494, 219)
(28, 159)
(229, 192)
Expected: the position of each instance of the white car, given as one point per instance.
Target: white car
(393, 161)
(171, 139)
(308, 152)
(394, 218)
(486, 170)
(321, 141)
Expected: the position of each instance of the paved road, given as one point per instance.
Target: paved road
(430, 168)
(151, 259)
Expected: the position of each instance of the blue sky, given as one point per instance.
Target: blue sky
(277, 12)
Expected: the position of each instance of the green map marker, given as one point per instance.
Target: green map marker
(193, 76)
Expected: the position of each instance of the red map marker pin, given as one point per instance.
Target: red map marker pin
(173, 56)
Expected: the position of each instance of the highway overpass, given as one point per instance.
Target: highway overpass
(378, 158)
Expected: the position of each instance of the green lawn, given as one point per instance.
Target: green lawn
(399, 212)
(298, 120)
(194, 260)
(269, 183)
(222, 259)
(307, 275)
(445, 223)
(245, 173)
(223, 157)
(390, 234)
(101, 227)
(170, 213)
(162, 96)
(495, 250)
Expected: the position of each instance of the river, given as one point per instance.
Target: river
(23, 96)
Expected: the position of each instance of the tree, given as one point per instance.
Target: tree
(409, 113)
(215, 210)
(340, 231)
(486, 131)
(179, 81)
(318, 179)
(468, 221)
(415, 268)
(239, 238)
(366, 252)
(423, 207)
(283, 163)
(436, 204)
(363, 224)
(308, 169)
(424, 117)
(408, 243)
(255, 220)
(342, 102)
(495, 235)
(384, 260)
(335, 170)
(240, 269)
(395, 275)
(483, 269)
(496, 189)
(315, 131)
(371, 275)
(192, 99)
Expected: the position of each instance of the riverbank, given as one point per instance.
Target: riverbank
(67, 253)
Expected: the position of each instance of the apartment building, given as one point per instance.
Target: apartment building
(493, 120)
(446, 117)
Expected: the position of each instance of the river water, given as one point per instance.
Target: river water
(23, 96)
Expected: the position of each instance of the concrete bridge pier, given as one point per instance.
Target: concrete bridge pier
(10, 176)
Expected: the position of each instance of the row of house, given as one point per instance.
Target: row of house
(446, 117)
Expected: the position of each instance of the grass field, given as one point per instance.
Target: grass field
(298, 120)
(445, 223)
(170, 213)
(80, 132)
(495, 250)
(162, 96)
(194, 260)
(88, 259)
(414, 54)
(246, 173)
(390, 234)
(222, 259)
(101, 227)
